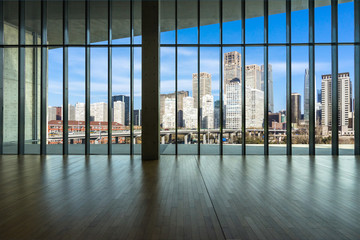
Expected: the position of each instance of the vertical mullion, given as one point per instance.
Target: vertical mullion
(334, 77)
(266, 76)
(198, 76)
(311, 78)
(21, 76)
(1, 76)
(110, 115)
(87, 77)
(43, 130)
(243, 98)
(176, 79)
(221, 79)
(65, 79)
(288, 78)
(131, 80)
(357, 76)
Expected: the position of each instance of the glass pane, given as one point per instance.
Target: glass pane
(76, 15)
(277, 100)
(98, 100)
(232, 95)
(167, 22)
(231, 22)
(121, 22)
(76, 68)
(11, 22)
(121, 100)
(32, 100)
(188, 113)
(55, 22)
(209, 93)
(32, 22)
(254, 103)
(98, 22)
(187, 22)
(346, 21)
(55, 101)
(137, 101)
(300, 85)
(137, 22)
(167, 101)
(322, 102)
(11, 108)
(346, 100)
(209, 22)
(322, 21)
(299, 21)
(254, 22)
(277, 21)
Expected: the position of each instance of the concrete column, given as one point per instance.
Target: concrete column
(163, 140)
(150, 147)
(186, 139)
(204, 138)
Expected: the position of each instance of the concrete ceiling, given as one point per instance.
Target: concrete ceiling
(187, 15)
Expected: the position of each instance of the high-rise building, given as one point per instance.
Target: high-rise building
(207, 111)
(254, 105)
(270, 85)
(205, 86)
(217, 114)
(126, 100)
(52, 113)
(180, 97)
(295, 108)
(307, 95)
(137, 117)
(80, 111)
(233, 104)
(232, 67)
(190, 113)
(99, 111)
(253, 76)
(71, 112)
(344, 99)
(168, 119)
(119, 112)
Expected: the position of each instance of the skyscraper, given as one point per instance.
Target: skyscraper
(126, 100)
(254, 108)
(80, 111)
(99, 111)
(307, 95)
(232, 67)
(119, 112)
(190, 113)
(233, 106)
(137, 117)
(180, 97)
(253, 76)
(270, 85)
(295, 108)
(168, 119)
(205, 86)
(344, 99)
(207, 111)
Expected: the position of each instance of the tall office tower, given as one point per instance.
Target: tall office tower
(344, 99)
(319, 95)
(233, 104)
(254, 106)
(253, 76)
(71, 112)
(295, 108)
(271, 85)
(205, 86)
(180, 97)
(168, 119)
(99, 111)
(207, 111)
(126, 100)
(190, 113)
(80, 111)
(137, 117)
(217, 114)
(119, 112)
(51, 113)
(307, 95)
(232, 67)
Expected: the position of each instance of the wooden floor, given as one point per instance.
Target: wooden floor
(184, 197)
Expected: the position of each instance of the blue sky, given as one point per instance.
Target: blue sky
(209, 57)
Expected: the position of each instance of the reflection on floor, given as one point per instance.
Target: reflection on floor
(185, 197)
